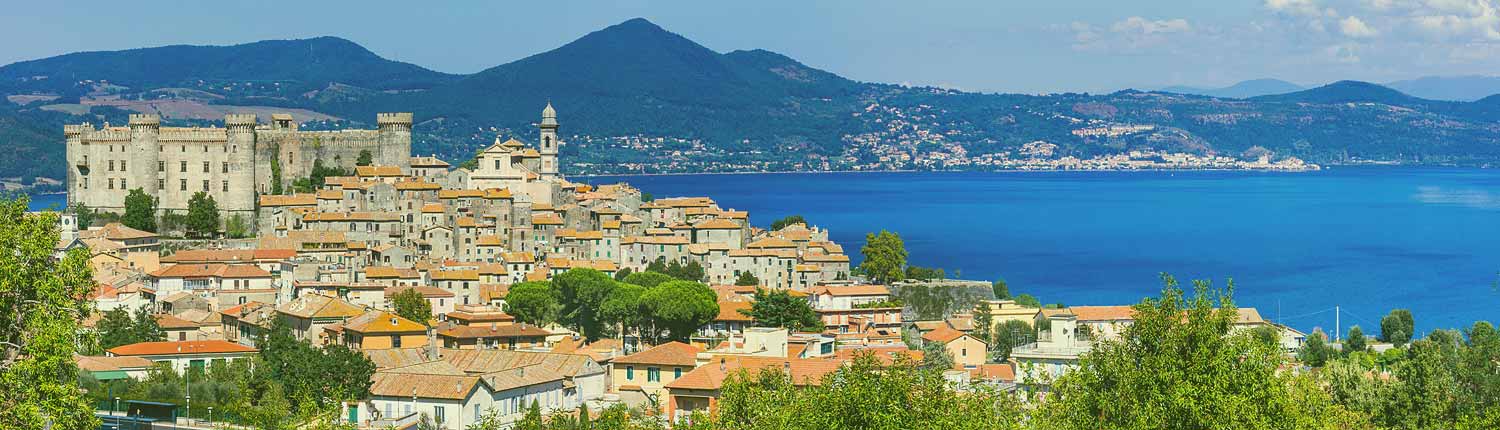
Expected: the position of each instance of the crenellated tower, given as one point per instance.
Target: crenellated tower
(395, 139)
(243, 180)
(143, 152)
(549, 142)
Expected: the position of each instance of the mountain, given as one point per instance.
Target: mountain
(1451, 88)
(1242, 90)
(635, 97)
(304, 64)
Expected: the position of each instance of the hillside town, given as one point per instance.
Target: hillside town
(340, 266)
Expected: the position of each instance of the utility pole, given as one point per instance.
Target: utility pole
(1337, 329)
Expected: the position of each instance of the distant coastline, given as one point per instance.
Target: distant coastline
(786, 172)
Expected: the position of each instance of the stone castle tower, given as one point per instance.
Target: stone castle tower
(549, 142)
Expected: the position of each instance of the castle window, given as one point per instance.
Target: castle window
(497, 164)
(184, 166)
(122, 165)
(226, 167)
(205, 148)
(161, 184)
(111, 183)
(111, 165)
(182, 184)
(122, 184)
(205, 165)
(205, 185)
(184, 148)
(226, 186)
(161, 166)
(85, 183)
(111, 148)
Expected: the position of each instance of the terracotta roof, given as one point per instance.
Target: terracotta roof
(488, 331)
(211, 270)
(1002, 372)
(717, 224)
(116, 231)
(546, 219)
(305, 199)
(454, 275)
(711, 376)
(102, 363)
(1103, 313)
(666, 354)
(851, 290)
(184, 347)
(170, 322)
(382, 272)
(729, 309)
(378, 171)
(771, 242)
(426, 386)
(826, 258)
(425, 291)
(431, 208)
(455, 194)
(886, 354)
(417, 185)
(319, 306)
(427, 162)
(382, 322)
(942, 334)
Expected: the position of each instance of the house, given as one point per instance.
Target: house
(231, 284)
(308, 315)
(698, 390)
(838, 305)
(968, 352)
(1055, 352)
(494, 336)
(378, 330)
(462, 386)
(1002, 311)
(1103, 322)
(180, 329)
(184, 355)
(477, 315)
(106, 368)
(243, 324)
(439, 299)
(649, 371)
(138, 250)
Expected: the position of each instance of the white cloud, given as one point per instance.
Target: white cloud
(1299, 7)
(1354, 27)
(1136, 24)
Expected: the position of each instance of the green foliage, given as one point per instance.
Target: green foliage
(1001, 289)
(42, 301)
(533, 303)
(746, 279)
(581, 293)
(862, 395)
(1180, 366)
(365, 158)
(679, 308)
(410, 304)
(318, 177)
(316, 378)
(1008, 336)
(884, 257)
(659, 266)
(648, 278)
(84, 215)
(688, 272)
(925, 273)
(1028, 300)
(935, 356)
(203, 215)
(937, 301)
(1355, 341)
(778, 308)
(1315, 350)
(622, 309)
(237, 227)
(1397, 327)
(117, 327)
(787, 221)
(621, 274)
(533, 418)
(647, 197)
(140, 211)
(277, 183)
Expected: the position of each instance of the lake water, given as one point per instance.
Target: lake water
(1366, 239)
(1296, 244)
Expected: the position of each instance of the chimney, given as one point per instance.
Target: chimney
(721, 364)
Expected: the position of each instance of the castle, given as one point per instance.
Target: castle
(233, 164)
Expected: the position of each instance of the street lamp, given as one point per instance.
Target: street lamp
(210, 416)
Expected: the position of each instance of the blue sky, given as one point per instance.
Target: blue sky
(977, 45)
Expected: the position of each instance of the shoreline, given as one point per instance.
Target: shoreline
(820, 172)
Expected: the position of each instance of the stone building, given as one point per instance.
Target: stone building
(232, 164)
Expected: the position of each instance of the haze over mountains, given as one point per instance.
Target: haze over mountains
(1448, 88)
(634, 97)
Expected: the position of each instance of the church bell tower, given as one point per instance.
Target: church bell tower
(549, 142)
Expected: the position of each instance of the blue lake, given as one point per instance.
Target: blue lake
(1367, 239)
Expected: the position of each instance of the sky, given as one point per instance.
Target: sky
(974, 45)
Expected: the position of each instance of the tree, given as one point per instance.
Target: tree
(746, 279)
(787, 221)
(84, 215)
(533, 303)
(622, 309)
(410, 304)
(925, 273)
(777, 308)
(1028, 300)
(647, 279)
(1315, 351)
(237, 227)
(115, 328)
(1010, 335)
(533, 418)
(315, 378)
(621, 274)
(1001, 289)
(659, 266)
(1355, 342)
(365, 158)
(679, 307)
(884, 257)
(582, 292)
(42, 301)
(935, 356)
(1180, 365)
(140, 211)
(203, 215)
(145, 328)
(1397, 327)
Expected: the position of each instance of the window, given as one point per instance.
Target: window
(226, 186)
(440, 413)
(122, 165)
(396, 341)
(122, 184)
(497, 164)
(226, 167)
(161, 166)
(161, 184)
(205, 163)
(183, 166)
(111, 183)
(111, 165)
(205, 185)
(676, 372)
(630, 373)
(182, 185)
(85, 183)
(653, 374)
